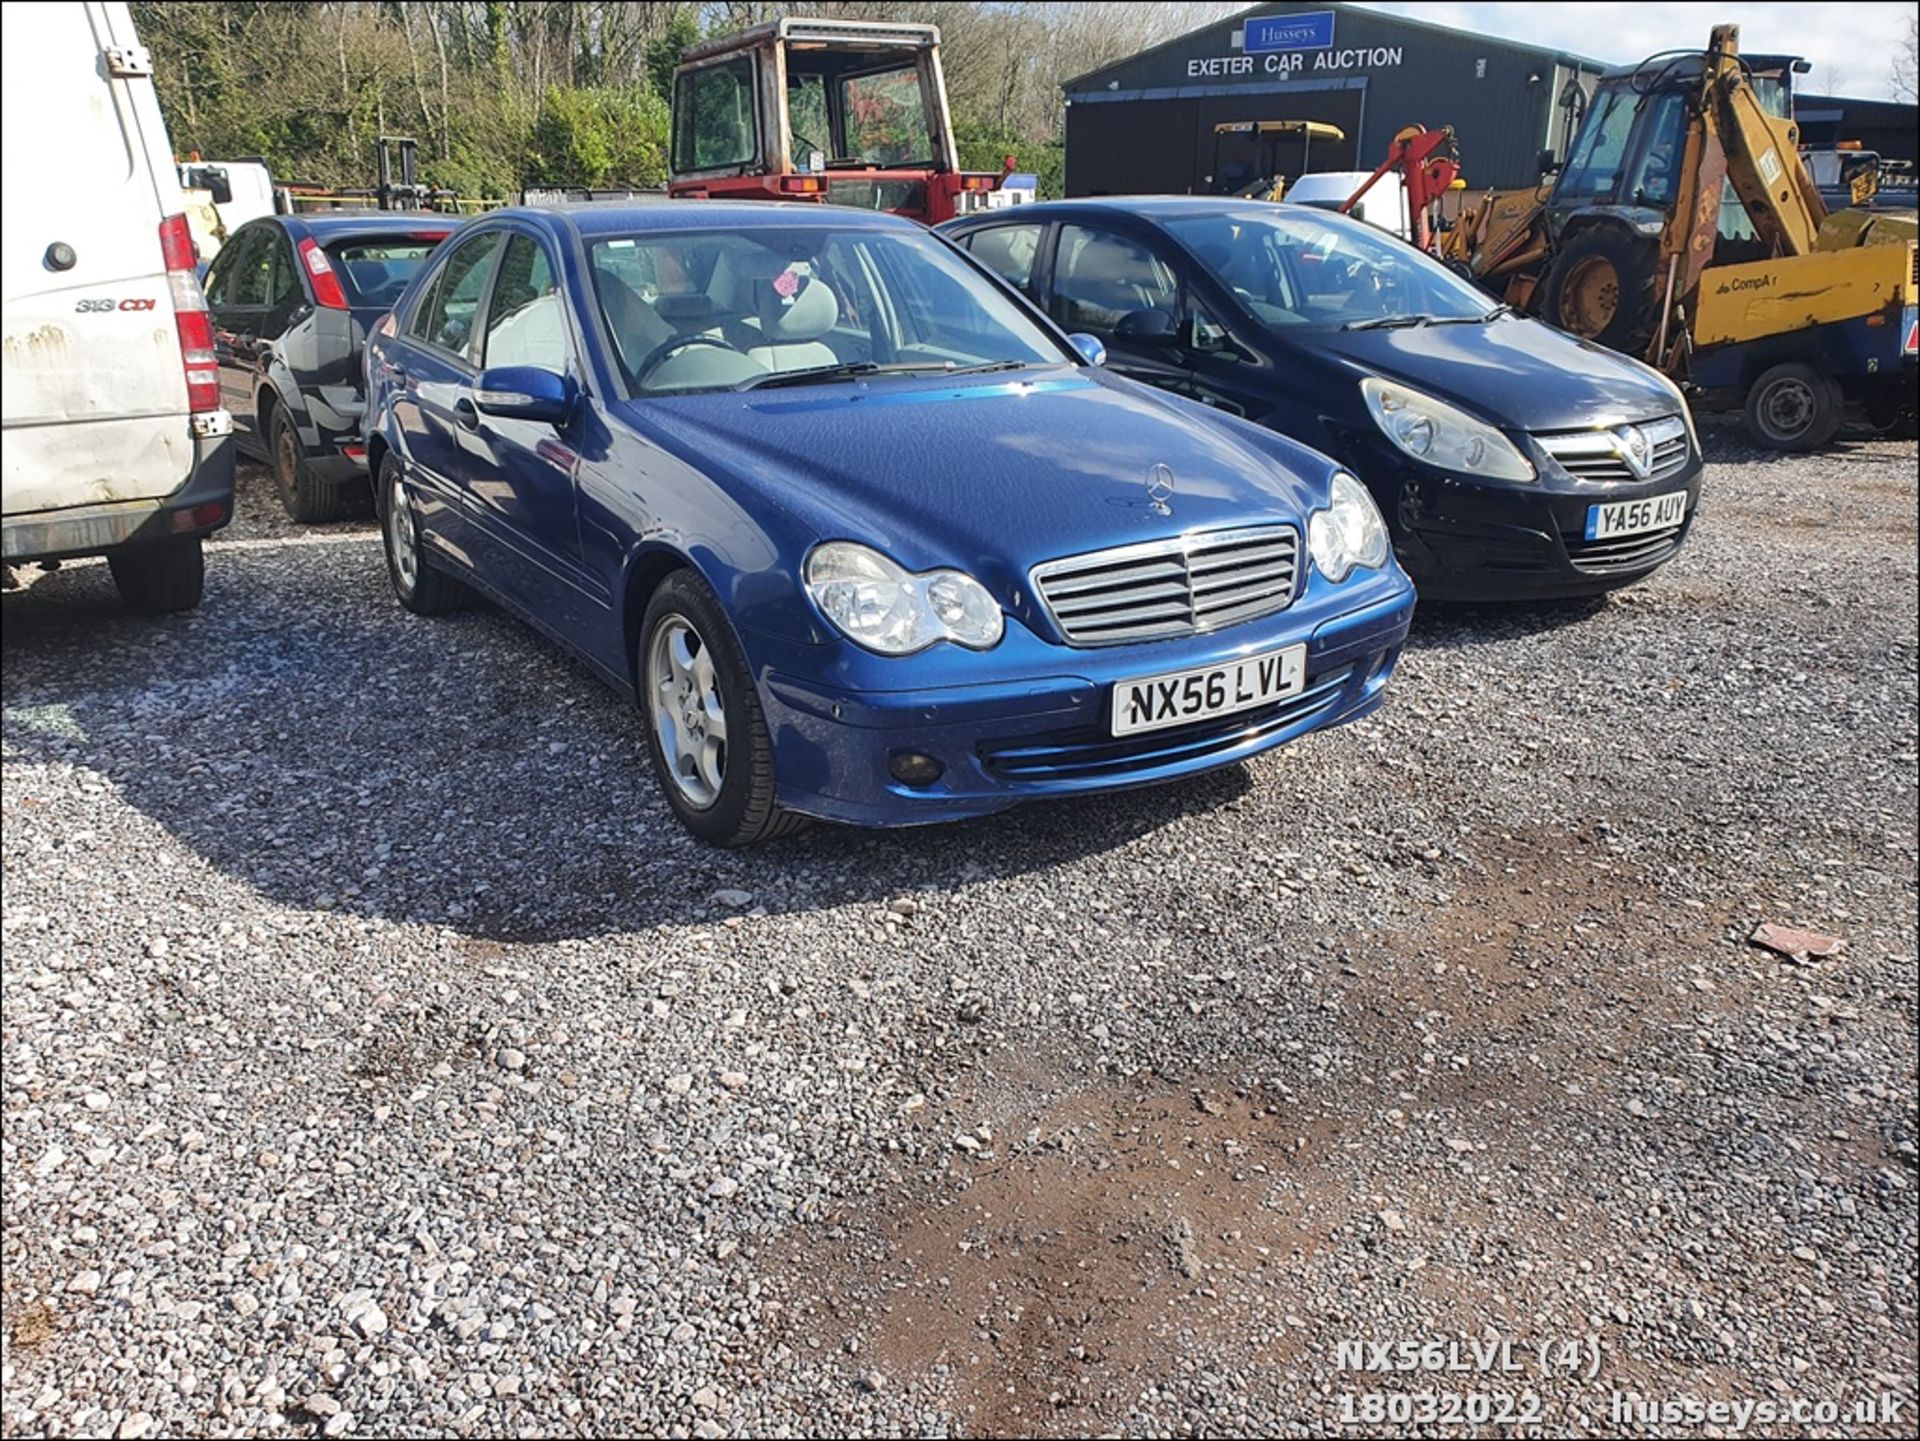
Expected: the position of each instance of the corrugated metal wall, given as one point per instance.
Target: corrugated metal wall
(1497, 97)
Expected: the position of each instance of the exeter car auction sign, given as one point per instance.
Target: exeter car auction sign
(1279, 45)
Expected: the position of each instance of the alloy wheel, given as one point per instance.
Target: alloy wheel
(401, 537)
(688, 713)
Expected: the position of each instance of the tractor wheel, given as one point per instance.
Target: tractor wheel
(1604, 287)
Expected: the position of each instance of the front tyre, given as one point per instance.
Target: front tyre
(160, 579)
(705, 729)
(417, 585)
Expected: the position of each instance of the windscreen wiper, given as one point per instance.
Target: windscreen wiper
(1492, 315)
(1388, 322)
(839, 370)
(987, 367)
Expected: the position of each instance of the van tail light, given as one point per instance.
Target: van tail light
(190, 316)
(327, 291)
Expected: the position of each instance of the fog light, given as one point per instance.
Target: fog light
(911, 768)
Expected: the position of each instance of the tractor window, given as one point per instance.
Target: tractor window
(1593, 169)
(713, 117)
(807, 117)
(886, 118)
(1656, 170)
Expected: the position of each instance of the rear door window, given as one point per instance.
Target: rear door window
(261, 276)
(233, 261)
(446, 320)
(375, 270)
(526, 319)
(1100, 277)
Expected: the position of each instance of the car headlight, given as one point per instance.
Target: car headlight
(1349, 533)
(1435, 432)
(887, 608)
(1679, 404)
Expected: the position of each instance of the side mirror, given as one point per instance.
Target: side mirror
(1090, 348)
(1151, 327)
(1548, 162)
(221, 189)
(524, 392)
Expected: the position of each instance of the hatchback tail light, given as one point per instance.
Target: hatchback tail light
(328, 293)
(190, 317)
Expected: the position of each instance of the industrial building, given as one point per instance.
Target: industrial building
(1147, 124)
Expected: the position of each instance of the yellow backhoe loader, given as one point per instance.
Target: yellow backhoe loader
(1685, 229)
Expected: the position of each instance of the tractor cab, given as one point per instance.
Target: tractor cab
(1630, 152)
(846, 112)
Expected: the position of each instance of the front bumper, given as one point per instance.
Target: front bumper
(202, 504)
(1040, 728)
(1473, 540)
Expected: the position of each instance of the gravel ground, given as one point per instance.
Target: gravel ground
(381, 1057)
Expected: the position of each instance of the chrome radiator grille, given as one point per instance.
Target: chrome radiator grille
(1178, 586)
(1605, 454)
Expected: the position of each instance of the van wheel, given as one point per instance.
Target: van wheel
(705, 729)
(1792, 407)
(418, 585)
(160, 579)
(306, 499)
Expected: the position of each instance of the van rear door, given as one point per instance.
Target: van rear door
(95, 405)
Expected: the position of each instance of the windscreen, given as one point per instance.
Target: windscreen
(707, 310)
(375, 271)
(1294, 268)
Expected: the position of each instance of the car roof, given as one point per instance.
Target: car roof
(1149, 208)
(331, 225)
(614, 217)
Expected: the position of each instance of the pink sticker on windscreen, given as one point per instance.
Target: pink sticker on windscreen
(786, 283)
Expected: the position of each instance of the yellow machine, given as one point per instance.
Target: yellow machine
(1248, 154)
(1685, 229)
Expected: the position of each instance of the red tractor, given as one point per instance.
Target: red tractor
(847, 112)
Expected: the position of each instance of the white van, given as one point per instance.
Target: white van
(114, 440)
(1384, 205)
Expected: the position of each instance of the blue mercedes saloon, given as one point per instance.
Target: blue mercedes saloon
(864, 534)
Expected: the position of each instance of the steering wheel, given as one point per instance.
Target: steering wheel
(667, 349)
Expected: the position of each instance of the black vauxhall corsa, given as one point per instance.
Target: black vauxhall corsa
(1511, 460)
(292, 298)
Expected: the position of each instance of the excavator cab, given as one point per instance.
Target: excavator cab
(848, 112)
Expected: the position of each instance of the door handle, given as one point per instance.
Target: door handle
(466, 413)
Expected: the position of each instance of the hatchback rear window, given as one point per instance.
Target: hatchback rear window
(376, 271)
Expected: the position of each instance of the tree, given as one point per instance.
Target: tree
(1906, 63)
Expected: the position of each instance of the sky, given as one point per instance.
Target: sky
(1852, 46)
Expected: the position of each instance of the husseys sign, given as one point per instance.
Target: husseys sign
(1283, 45)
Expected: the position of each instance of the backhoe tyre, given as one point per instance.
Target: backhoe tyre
(1603, 286)
(1792, 407)
(161, 578)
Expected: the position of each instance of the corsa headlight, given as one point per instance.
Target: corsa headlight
(1679, 403)
(1349, 534)
(887, 608)
(1435, 432)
